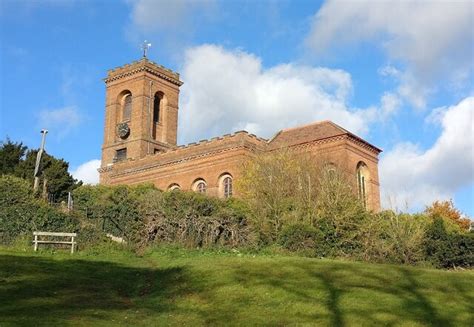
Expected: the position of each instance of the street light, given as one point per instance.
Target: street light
(38, 160)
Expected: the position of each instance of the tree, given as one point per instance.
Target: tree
(447, 210)
(279, 188)
(287, 188)
(10, 156)
(17, 160)
(54, 174)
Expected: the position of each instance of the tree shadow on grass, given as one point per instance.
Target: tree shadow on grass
(353, 294)
(38, 290)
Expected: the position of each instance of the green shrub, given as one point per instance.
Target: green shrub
(343, 228)
(196, 220)
(21, 213)
(145, 215)
(89, 236)
(395, 238)
(448, 250)
(303, 238)
(112, 209)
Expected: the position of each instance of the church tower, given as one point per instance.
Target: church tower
(141, 111)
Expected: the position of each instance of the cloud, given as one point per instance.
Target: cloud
(60, 121)
(229, 90)
(430, 38)
(416, 177)
(87, 172)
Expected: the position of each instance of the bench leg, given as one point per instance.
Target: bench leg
(72, 245)
(36, 242)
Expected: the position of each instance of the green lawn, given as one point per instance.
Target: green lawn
(178, 287)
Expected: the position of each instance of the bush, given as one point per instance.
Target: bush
(448, 250)
(194, 220)
(21, 213)
(146, 215)
(395, 238)
(89, 236)
(303, 238)
(111, 209)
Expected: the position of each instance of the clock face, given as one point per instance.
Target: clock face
(123, 130)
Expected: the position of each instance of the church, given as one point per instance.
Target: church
(140, 141)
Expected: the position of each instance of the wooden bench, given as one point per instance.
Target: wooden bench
(37, 241)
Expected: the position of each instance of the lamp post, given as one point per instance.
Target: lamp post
(38, 160)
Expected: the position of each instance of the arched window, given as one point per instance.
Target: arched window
(199, 185)
(127, 106)
(157, 102)
(362, 178)
(174, 187)
(225, 185)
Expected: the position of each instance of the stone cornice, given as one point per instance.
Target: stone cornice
(143, 65)
(340, 137)
(135, 170)
(364, 144)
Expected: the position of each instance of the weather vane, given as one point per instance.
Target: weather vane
(145, 47)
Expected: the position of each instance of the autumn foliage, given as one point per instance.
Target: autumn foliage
(446, 210)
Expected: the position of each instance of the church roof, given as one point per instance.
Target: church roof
(312, 132)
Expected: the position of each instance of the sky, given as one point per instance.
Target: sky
(398, 73)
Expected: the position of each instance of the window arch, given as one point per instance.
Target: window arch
(362, 173)
(127, 106)
(226, 187)
(200, 186)
(174, 187)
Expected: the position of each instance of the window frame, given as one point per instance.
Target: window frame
(227, 184)
(362, 174)
(121, 154)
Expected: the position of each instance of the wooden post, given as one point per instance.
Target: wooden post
(72, 245)
(36, 242)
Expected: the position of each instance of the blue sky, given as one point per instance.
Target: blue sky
(399, 74)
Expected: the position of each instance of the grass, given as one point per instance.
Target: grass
(179, 287)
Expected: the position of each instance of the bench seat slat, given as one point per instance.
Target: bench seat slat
(54, 234)
(54, 242)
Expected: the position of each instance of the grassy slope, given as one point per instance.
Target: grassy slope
(172, 287)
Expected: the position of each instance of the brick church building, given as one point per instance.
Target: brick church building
(140, 141)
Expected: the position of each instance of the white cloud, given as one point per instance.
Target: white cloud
(87, 172)
(60, 121)
(390, 103)
(230, 90)
(430, 38)
(416, 177)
